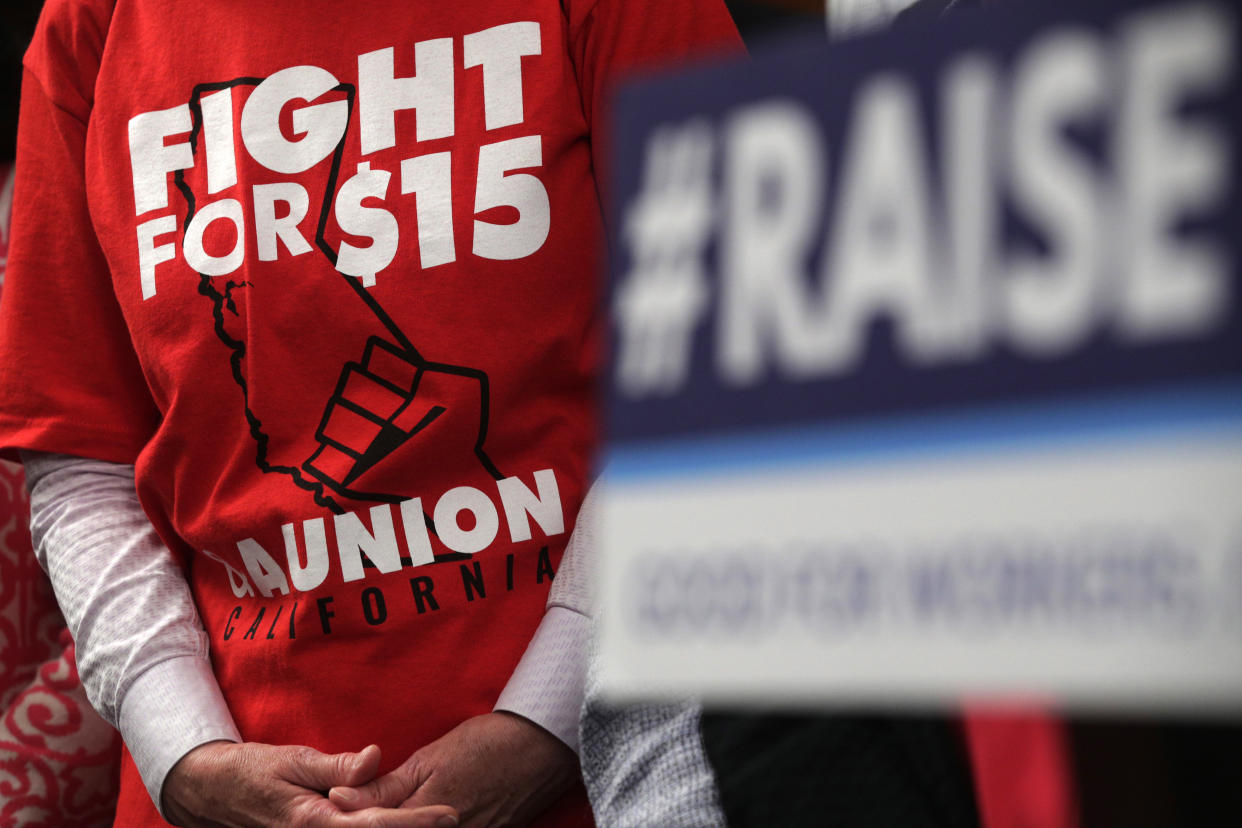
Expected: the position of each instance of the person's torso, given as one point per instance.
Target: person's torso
(355, 248)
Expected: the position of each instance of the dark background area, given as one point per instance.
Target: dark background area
(757, 18)
(18, 17)
(17, 23)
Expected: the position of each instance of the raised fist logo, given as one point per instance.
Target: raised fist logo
(391, 397)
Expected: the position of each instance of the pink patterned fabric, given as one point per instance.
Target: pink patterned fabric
(58, 759)
(29, 619)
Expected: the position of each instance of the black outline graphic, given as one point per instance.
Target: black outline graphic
(390, 437)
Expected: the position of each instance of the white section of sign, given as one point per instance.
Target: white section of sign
(1107, 575)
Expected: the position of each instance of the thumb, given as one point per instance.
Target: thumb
(320, 771)
(388, 791)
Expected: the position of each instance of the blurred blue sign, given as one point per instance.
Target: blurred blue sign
(1029, 202)
(926, 365)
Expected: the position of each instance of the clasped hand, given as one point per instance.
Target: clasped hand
(253, 785)
(493, 770)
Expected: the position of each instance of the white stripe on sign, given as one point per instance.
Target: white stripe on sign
(1103, 575)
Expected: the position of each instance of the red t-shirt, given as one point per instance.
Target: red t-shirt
(326, 273)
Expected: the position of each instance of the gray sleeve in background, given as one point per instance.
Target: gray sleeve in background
(643, 764)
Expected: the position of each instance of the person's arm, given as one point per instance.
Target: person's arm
(527, 746)
(547, 686)
(608, 38)
(142, 657)
(141, 649)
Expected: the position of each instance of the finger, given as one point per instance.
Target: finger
(388, 791)
(320, 771)
(433, 816)
(319, 813)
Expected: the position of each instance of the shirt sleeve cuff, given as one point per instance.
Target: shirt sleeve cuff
(547, 686)
(168, 711)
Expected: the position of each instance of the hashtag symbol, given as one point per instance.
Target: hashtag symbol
(664, 293)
